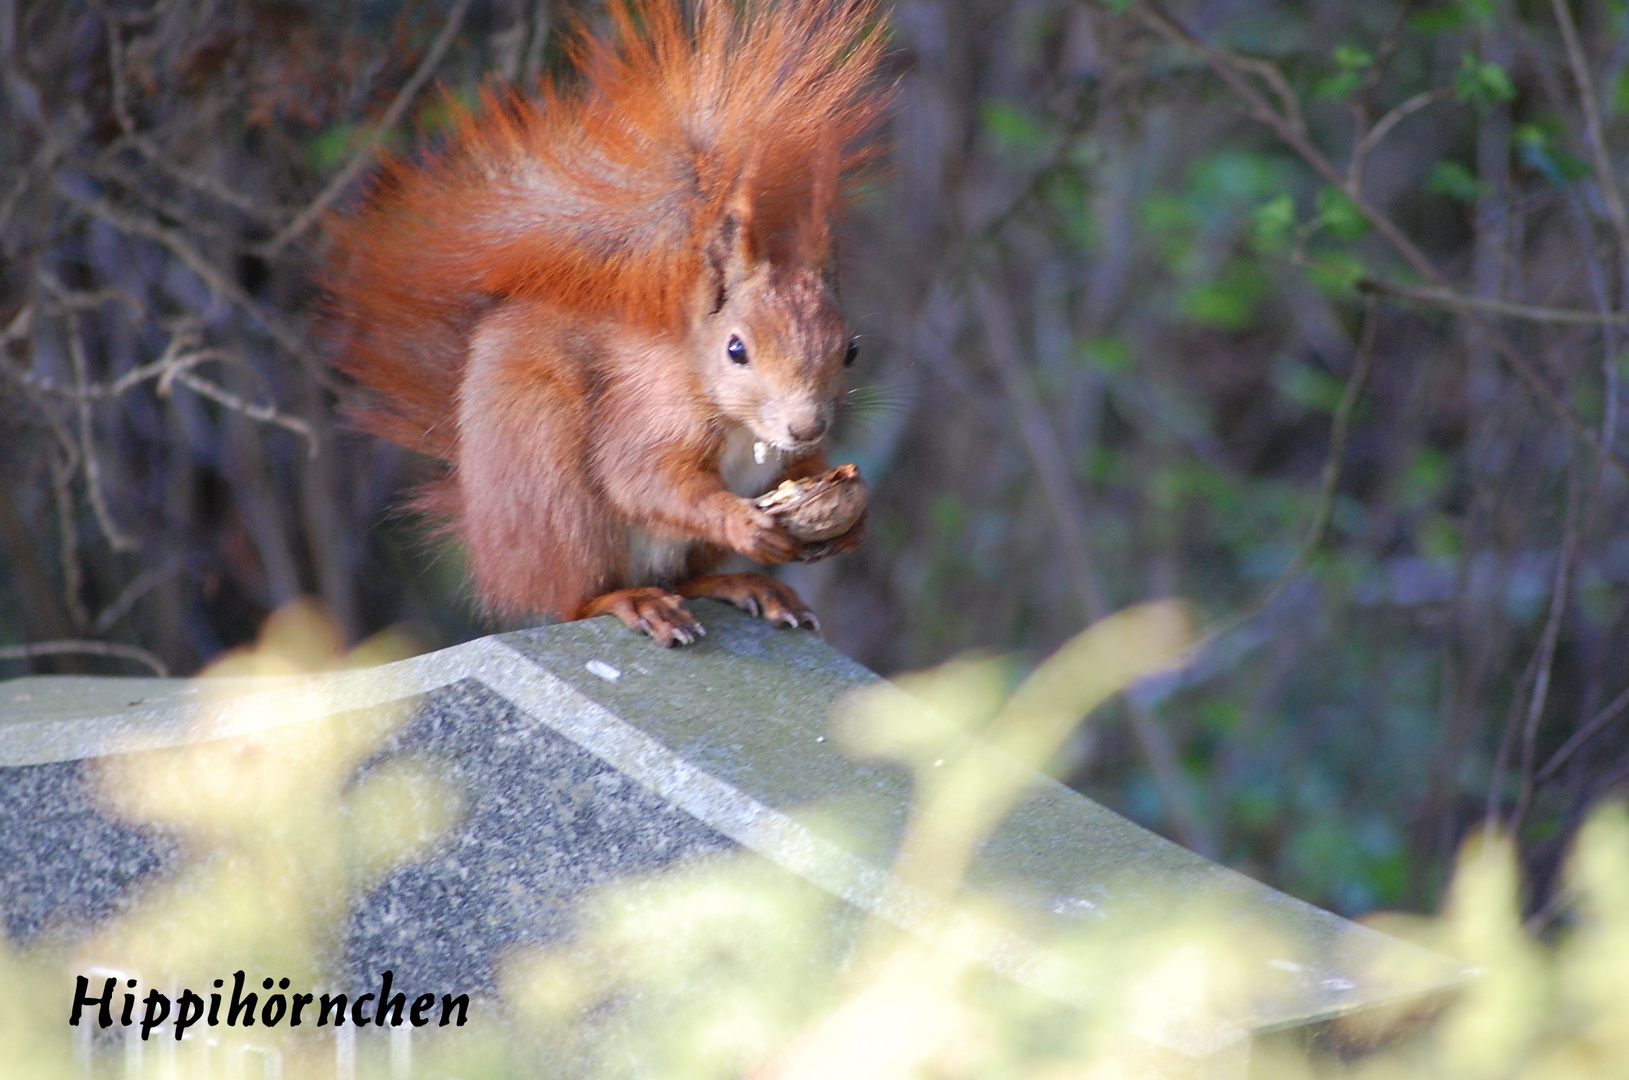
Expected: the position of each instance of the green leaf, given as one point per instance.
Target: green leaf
(1107, 354)
(1274, 220)
(1351, 62)
(1237, 176)
(1620, 94)
(1439, 538)
(330, 147)
(1436, 20)
(1228, 301)
(1257, 809)
(1456, 181)
(1067, 196)
(441, 112)
(1013, 128)
(1339, 86)
(1169, 222)
(1536, 147)
(1352, 58)
(1336, 273)
(1482, 82)
(1340, 215)
(1424, 478)
(949, 516)
(1221, 716)
(1307, 386)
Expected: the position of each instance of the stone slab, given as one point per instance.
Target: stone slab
(585, 754)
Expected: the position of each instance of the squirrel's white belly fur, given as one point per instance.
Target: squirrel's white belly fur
(653, 558)
(746, 472)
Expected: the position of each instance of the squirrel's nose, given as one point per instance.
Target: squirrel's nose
(809, 430)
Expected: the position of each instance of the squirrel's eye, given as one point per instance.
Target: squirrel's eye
(853, 351)
(736, 350)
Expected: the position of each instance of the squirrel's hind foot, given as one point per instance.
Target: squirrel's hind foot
(649, 610)
(756, 594)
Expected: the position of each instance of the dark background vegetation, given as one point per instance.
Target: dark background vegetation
(1310, 312)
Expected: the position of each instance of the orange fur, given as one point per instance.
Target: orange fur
(546, 303)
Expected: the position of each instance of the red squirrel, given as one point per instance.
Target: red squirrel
(610, 308)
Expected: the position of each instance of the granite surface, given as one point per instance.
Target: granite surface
(584, 755)
(544, 821)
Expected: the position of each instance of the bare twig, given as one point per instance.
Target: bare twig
(19, 326)
(218, 281)
(165, 368)
(1459, 301)
(1605, 174)
(1560, 596)
(135, 18)
(175, 366)
(73, 581)
(364, 152)
(1050, 462)
(115, 63)
(1609, 421)
(1230, 69)
(145, 145)
(1372, 138)
(1501, 757)
(1329, 485)
(213, 226)
(1069, 514)
(265, 413)
(140, 587)
(117, 538)
(1584, 734)
(90, 300)
(85, 648)
(202, 182)
(56, 143)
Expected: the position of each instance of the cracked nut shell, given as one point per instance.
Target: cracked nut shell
(818, 508)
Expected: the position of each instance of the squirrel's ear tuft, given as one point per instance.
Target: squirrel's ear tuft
(734, 250)
(738, 236)
(814, 229)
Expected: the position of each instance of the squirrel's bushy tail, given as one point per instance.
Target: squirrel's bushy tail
(602, 196)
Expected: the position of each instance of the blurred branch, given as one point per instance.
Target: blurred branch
(135, 18)
(1070, 516)
(141, 586)
(85, 648)
(1605, 174)
(1231, 68)
(1457, 301)
(1560, 596)
(116, 537)
(1329, 484)
(269, 414)
(57, 141)
(142, 143)
(364, 152)
(64, 464)
(1597, 280)
(217, 280)
(1372, 138)
(1584, 734)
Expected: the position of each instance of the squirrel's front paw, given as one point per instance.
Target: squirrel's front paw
(648, 610)
(757, 535)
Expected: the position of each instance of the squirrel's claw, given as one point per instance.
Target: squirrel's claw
(760, 596)
(648, 610)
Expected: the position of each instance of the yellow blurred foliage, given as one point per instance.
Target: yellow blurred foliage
(729, 967)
